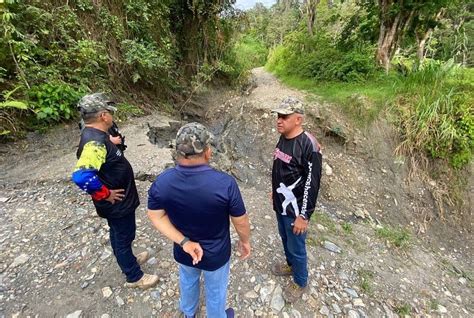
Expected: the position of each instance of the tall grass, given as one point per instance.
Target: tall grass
(436, 114)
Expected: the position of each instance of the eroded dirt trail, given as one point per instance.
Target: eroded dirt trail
(55, 258)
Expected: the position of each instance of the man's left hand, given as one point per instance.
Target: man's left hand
(300, 226)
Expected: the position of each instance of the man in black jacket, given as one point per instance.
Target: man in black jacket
(296, 176)
(104, 173)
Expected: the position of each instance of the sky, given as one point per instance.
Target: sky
(248, 4)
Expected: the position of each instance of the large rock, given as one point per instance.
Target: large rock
(277, 303)
(266, 291)
(332, 247)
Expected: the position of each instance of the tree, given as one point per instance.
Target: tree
(423, 31)
(309, 6)
(286, 5)
(396, 17)
(198, 30)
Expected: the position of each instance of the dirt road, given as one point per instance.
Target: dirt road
(56, 261)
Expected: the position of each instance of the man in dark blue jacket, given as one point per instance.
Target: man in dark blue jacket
(103, 171)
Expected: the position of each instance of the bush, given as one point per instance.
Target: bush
(436, 113)
(53, 102)
(146, 60)
(250, 52)
(318, 58)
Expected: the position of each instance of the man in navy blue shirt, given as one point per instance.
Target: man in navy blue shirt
(191, 205)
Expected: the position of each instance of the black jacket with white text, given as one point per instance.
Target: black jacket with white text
(296, 175)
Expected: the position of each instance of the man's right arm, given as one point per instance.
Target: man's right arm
(242, 227)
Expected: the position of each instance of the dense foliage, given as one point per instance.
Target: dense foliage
(52, 52)
(415, 56)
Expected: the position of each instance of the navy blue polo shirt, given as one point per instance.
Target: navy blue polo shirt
(198, 201)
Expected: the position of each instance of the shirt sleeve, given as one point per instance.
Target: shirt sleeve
(312, 163)
(154, 200)
(85, 175)
(236, 204)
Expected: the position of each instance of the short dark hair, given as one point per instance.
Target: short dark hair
(197, 155)
(90, 117)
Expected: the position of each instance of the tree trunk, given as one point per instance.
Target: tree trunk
(389, 32)
(310, 14)
(422, 36)
(387, 40)
(421, 41)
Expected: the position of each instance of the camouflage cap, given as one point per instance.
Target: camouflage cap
(289, 105)
(192, 139)
(94, 103)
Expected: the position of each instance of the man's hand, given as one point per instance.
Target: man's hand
(115, 195)
(300, 226)
(244, 249)
(117, 140)
(193, 249)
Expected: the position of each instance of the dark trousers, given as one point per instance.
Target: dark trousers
(295, 249)
(122, 234)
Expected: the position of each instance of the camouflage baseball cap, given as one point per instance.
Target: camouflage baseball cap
(94, 103)
(192, 139)
(289, 105)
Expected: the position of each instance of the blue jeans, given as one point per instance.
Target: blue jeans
(122, 234)
(295, 249)
(215, 286)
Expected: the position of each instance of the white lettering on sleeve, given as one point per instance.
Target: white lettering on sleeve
(307, 186)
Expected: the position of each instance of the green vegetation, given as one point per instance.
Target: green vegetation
(421, 76)
(314, 240)
(52, 53)
(298, 56)
(52, 101)
(155, 54)
(347, 227)
(365, 281)
(397, 237)
(403, 309)
(434, 304)
(433, 107)
(128, 110)
(250, 52)
(436, 112)
(418, 76)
